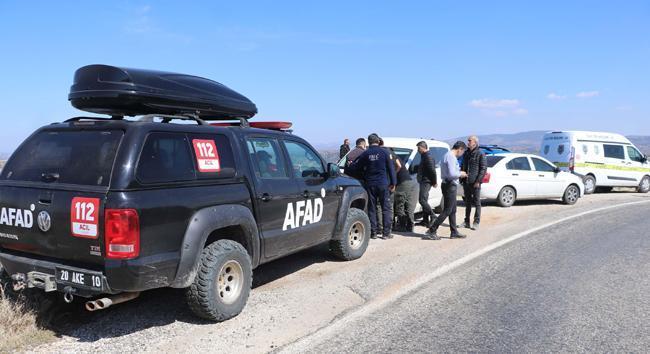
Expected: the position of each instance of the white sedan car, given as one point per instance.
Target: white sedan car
(511, 177)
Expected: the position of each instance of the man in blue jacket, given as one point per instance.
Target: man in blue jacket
(376, 167)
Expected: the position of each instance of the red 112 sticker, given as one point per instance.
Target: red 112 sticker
(84, 215)
(207, 156)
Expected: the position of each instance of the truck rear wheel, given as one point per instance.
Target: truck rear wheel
(223, 282)
(571, 195)
(355, 238)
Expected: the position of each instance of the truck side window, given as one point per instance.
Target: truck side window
(165, 157)
(614, 151)
(266, 158)
(305, 162)
(519, 163)
(634, 154)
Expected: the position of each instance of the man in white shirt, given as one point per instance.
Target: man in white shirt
(449, 174)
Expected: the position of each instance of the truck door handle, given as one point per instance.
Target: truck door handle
(540, 175)
(265, 197)
(515, 174)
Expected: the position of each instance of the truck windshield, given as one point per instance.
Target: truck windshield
(70, 157)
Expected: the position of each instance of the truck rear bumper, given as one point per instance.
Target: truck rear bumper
(118, 275)
(35, 273)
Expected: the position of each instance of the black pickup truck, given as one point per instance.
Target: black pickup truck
(104, 208)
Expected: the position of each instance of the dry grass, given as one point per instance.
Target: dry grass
(19, 328)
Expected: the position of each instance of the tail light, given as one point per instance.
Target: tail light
(122, 233)
(572, 159)
(486, 178)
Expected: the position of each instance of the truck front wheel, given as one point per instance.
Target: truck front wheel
(223, 282)
(356, 234)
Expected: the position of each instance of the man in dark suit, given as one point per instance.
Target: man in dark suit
(427, 178)
(345, 148)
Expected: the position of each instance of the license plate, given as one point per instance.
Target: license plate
(79, 278)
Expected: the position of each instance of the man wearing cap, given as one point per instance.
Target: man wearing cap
(450, 173)
(378, 171)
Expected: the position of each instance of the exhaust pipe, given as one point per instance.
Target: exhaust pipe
(106, 302)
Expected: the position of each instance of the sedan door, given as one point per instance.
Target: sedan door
(520, 175)
(549, 183)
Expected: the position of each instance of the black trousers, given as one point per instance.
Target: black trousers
(423, 198)
(472, 198)
(449, 191)
(379, 196)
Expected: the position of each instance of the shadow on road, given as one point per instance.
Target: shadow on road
(154, 308)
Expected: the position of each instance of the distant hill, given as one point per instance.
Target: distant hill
(528, 142)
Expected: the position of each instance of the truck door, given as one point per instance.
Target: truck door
(275, 191)
(316, 212)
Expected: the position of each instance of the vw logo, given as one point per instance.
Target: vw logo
(44, 221)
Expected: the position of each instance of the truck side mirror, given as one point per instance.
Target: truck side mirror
(557, 169)
(333, 170)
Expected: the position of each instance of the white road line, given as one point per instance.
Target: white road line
(305, 343)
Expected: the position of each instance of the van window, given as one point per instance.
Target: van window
(614, 151)
(634, 154)
(519, 163)
(165, 157)
(437, 153)
(76, 157)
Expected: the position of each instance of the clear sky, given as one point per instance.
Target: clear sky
(346, 68)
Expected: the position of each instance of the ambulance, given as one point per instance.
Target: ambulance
(605, 160)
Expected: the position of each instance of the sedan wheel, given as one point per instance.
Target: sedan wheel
(571, 195)
(507, 197)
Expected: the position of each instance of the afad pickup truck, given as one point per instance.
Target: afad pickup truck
(105, 208)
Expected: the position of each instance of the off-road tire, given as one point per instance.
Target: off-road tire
(354, 237)
(590, 184)
(644, 185)
(507, 197)
(571, 195)
(204, 297)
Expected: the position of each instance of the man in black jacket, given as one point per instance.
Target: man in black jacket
(344, 149)
(475, 165)
(427, 178)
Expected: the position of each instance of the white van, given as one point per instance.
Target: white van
(606, 160)
(407, 152)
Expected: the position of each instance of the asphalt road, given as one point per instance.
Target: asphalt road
(580, 286)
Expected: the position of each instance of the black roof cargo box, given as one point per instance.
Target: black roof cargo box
(128, 92)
